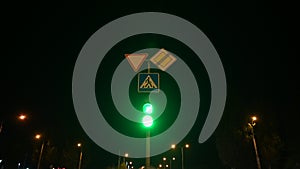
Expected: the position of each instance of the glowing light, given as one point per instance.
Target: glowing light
(38, 136)
(173, 146)
(147, 108)
(147, 121)
(22, 117)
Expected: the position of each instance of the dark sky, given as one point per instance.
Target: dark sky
(256, 42)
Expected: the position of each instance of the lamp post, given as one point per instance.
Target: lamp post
(170, 162)
(251, 125)
(164, 162)
(38, 137)
(173, 146)
(79, 145)
(126, 155)
(173, 159)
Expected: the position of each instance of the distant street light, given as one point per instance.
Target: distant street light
(251, 125)
(80, 155)
(22, 117)
(173, 146)
(124, 158)
(164, 162)
(126, 155)
(173, 159)
(38, 137)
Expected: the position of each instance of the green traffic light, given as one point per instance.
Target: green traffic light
(147, 108)
(147, 121)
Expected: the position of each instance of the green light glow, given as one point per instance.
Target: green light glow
(147, 121)
(147, 108)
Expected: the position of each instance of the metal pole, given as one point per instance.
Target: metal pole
(182, 165)
(80, 159)
(148, 150)
(40, 156)
(255, 148)
(119, 160)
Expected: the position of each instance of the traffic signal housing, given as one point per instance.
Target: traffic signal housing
(147, 119)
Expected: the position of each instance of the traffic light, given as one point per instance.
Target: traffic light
(147, 119)
(147, 108)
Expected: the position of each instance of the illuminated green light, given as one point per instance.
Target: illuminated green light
(147, 121)
(147, 108)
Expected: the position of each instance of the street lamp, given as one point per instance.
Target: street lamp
(173, 146)
(170, 162)
(126, 155)
(129, 164)
(22, 117)
(164, 162)
(251, 125)
(173, 159)
(79, 145)
(38, 137)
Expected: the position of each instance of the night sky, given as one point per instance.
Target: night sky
(255, 40)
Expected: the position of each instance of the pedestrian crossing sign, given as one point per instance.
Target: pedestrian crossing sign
(148, 82)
